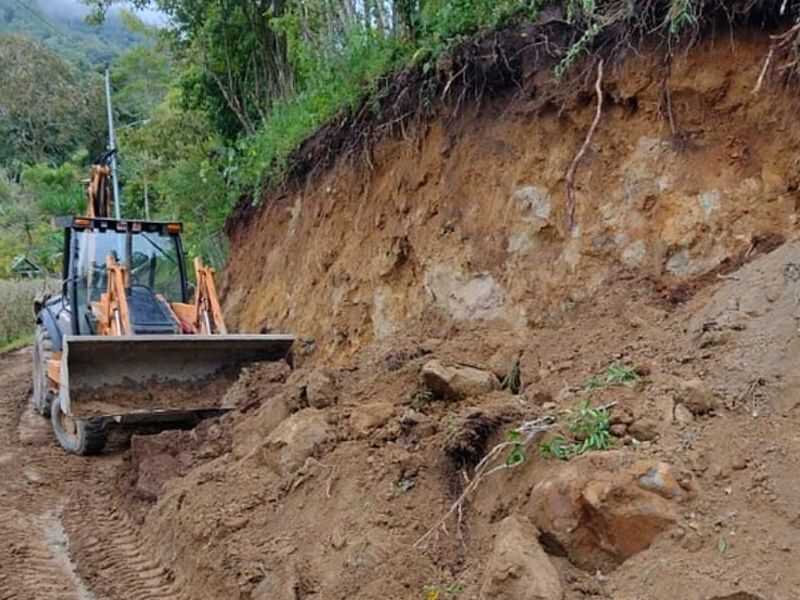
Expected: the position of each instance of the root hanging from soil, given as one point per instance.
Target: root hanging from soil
(486, 467)
(782, 43)
(569, 219)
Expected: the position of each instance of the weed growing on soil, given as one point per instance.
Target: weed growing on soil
(617, 373)
(512, 381)
(517, 454)
(420, 398)
(434, 592)
(588, 431)
(621, 374)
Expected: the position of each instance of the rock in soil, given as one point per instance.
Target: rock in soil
(695, 395)
(455, 382)
(605, 507)
(518, 567)
(321, 389)
(293, 441)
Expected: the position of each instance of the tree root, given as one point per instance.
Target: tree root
(569, 178)
(486, 467)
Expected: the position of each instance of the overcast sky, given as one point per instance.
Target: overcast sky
(75, 8)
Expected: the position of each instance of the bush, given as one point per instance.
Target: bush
(16, 309)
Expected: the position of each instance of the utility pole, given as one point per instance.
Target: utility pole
(112, 145)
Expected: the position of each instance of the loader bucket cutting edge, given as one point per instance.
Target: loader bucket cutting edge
(145, 376)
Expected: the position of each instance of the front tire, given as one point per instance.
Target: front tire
(78, 436)
(43, 394)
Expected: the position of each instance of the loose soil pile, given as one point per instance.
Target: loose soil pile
(332, 480)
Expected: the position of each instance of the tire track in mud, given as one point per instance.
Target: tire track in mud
(121, 562)
(28, 567)
(63, 533)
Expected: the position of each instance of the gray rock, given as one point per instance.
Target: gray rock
(535, 201)
(457, 381)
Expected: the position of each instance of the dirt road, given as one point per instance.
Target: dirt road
(62, 534)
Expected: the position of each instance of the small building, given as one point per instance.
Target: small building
(25, 268)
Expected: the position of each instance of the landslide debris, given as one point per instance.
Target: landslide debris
(329, 502)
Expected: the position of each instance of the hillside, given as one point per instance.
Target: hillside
(544, 285)
(65, 31)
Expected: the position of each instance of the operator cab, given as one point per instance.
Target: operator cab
(152, 255)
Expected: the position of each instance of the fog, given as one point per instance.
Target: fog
(76, 9)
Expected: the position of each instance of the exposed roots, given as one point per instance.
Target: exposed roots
(507, 61)
(786, 44)
(569, 179)
(490, 464)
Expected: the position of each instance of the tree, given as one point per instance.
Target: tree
(47, 108)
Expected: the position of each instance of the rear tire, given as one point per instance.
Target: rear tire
(43, 394)
(78, 436)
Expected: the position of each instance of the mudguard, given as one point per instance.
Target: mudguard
(46, 318)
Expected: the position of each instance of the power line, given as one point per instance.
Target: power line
(40, 16)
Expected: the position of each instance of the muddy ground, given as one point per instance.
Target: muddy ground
(63, 533)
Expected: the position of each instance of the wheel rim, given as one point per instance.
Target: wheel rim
(68, 426)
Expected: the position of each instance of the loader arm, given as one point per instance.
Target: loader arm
(112, 312)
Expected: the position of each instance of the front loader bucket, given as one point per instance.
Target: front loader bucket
(144, 377)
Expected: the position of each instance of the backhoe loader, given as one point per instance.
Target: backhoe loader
(123, 343)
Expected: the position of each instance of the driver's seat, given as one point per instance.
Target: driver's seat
(148, 313)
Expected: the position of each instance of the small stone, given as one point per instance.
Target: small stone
(678, 533)
(618, 430)
(682, 415)
(320, 389)
(636, 321)
(695, 395)
(338, 539)
(644, 430)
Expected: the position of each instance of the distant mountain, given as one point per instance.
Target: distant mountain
(60, 26)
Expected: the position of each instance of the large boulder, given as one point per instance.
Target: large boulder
(604, 507)
(454, 382)
(293, 441)
(518, 567)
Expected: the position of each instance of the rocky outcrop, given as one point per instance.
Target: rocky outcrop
(603, 508)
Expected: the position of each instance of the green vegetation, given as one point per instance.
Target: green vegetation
(438, 591)
(16, 311)
(616, 373)
(587, 430)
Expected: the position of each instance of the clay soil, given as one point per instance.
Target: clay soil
(685, 267)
